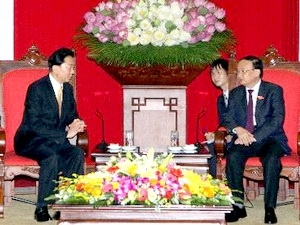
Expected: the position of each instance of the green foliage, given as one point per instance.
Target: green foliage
(149, 55)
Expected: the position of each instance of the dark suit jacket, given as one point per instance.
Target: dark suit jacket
(41, 122)
(221, 106)
(269, 113)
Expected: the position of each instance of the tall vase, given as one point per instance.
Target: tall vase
(154, 75)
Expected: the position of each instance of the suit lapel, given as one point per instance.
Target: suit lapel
(259, 100)
(244, 103)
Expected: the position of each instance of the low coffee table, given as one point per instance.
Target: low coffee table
(177, 214)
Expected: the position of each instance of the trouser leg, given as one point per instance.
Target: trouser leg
(47, 176)
(272, 169)
(72, 161)
(212, 162)
(235, 164)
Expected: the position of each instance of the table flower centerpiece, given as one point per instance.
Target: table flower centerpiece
(166, 36)
(150, 180)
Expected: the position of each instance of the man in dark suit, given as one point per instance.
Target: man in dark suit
(257, 133)
(47, 125)
(219, 77)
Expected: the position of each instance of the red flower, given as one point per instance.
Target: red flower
(169, 194)
(176, 172)
(112, 169)
(79, 187)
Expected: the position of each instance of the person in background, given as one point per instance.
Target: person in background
(255, 116)
(47, 126)
(219, 77)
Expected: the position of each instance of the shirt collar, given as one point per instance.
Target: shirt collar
(255, 88)
(226, 93)
(55, 84)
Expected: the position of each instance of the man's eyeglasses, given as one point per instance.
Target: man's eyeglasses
(244, 71)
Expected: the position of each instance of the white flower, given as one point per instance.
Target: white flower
(130, 23)
(137, 31)
(152, 195)
(170, 42)
(145, 24)
(145, 39)
(133, 39)
(159, 37)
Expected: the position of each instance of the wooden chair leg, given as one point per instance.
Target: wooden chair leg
(8, 191)
(296, 197)
(252, 192)
(36, 187)
(245, 187)
(282, 192)
(1, 189)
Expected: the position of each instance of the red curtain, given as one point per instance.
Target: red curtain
(51, 24)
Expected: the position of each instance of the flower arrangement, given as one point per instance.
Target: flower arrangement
(134, 179)
(155, 32)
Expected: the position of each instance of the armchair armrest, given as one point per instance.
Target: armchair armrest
(298, 143)
(220, 147)
(82, 141)
(2, 141)
(220, 142)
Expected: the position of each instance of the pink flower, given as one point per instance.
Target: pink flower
(143, 195)
(89, 17)
(211, 29)
(210, 6)
(88, 28)
(210, 19)
(220, 27)
(220, 13)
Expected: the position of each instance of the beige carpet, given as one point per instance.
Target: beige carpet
(22, 213)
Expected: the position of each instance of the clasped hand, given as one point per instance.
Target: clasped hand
(75, 127)
(244, 137)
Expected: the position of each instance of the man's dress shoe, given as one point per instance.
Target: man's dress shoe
(41, 214)
(235, 214)
(270, 216)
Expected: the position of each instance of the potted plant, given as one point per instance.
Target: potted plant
(155, 41)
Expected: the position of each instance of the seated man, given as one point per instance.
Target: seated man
(49, 109)
(219, 76)
(258, 127)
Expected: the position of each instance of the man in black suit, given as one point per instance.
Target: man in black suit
(46, 127)
(219, 77)
(261, 134)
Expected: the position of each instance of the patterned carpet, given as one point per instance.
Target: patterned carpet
(22, 213)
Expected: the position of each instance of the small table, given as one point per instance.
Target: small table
(196, 162)
(135, 214)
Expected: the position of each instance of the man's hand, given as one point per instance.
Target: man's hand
(244, 137)
(210, 137)
(75, 127)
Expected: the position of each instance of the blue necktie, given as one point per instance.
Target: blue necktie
(249, 121)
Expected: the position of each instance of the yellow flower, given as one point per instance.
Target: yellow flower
(115, 185)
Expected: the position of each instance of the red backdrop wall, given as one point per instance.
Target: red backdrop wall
(52, 24)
